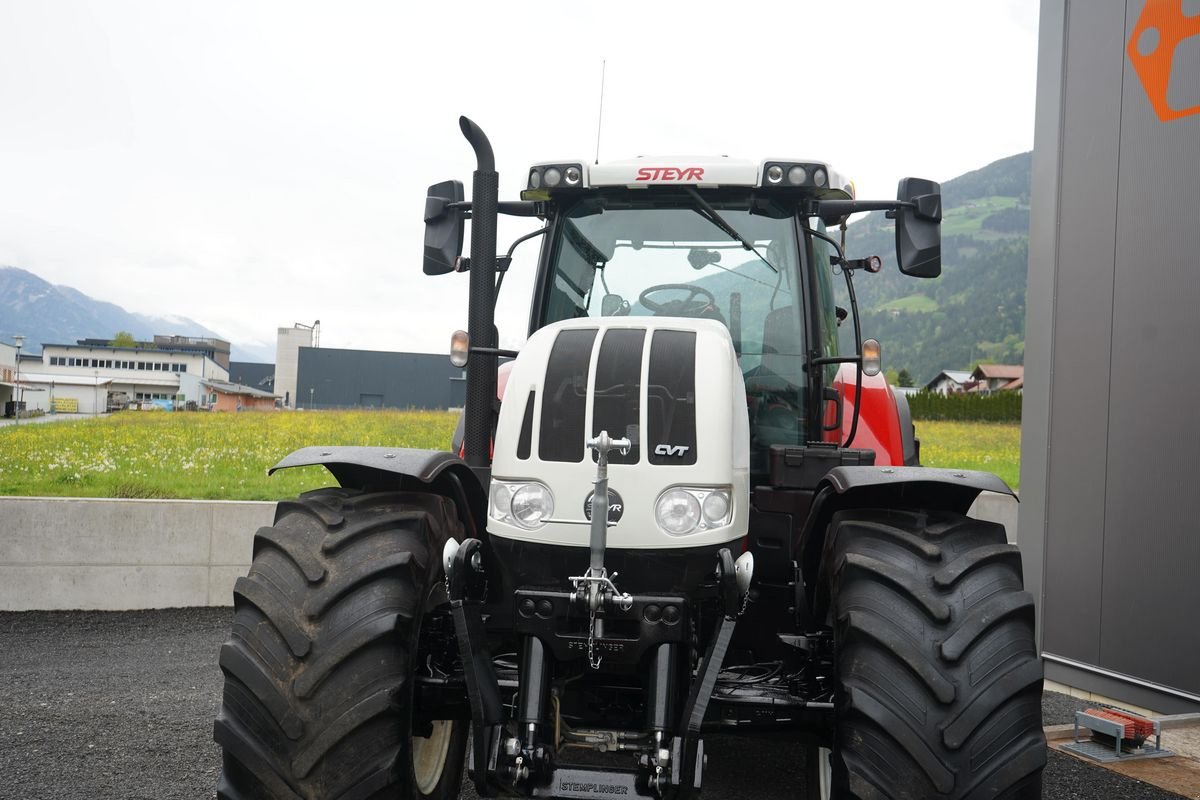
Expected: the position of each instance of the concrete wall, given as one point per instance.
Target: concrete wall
(61, 553)
(74, 553)
(998, 508)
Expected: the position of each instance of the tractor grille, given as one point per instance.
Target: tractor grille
(564, 403)
(668, 397)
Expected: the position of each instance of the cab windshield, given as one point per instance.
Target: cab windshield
(628, 256)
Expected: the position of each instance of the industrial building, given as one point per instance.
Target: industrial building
(335, 378)
(288, 342)
(8, 374)
(79, 378)
(216, 349)
(253, 373)
(1108, 524)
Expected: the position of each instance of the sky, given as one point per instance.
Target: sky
(251, 165)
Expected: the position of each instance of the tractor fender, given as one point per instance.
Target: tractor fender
(913, 488)
(430, 470)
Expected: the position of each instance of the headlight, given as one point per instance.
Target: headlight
(532, 505)
(684, 509)
(527, 505)
(678, 512)
(501, 500)
(716, 508)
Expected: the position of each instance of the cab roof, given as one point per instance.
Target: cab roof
(706, 172)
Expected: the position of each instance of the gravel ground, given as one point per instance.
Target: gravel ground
(120, 706)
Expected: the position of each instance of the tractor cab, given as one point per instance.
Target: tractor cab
(719, 239)
(740, 242)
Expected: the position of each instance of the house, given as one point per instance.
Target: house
(226, 396)
(949, 381)
(998, 378)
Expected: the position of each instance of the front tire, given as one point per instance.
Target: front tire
(939, 678)
(319, 667)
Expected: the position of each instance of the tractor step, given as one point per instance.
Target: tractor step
(573, 782)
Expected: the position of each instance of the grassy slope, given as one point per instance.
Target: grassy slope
(968, 218)
(916, 303)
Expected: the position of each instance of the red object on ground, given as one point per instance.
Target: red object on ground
(1136, 727)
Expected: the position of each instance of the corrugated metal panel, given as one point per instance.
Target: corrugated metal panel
(1152, 533)
(1110, 429)
(376, 379)
(1082, 331)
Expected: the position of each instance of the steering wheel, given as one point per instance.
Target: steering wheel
(688, 306)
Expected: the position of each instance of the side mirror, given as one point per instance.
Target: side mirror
(918, 228)
(443, 227)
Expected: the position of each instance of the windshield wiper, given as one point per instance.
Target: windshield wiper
(709, 213)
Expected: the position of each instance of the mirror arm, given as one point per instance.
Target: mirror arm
(494, 351)
(833, 211)
(512, 208)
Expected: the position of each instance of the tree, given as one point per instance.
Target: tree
(904, 379)
(891, 376)
(123, 339)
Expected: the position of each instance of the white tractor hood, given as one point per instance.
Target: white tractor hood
(671, 385)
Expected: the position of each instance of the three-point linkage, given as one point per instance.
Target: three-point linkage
(595, 587)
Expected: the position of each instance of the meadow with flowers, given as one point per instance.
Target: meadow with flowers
(197, 456)
(226, 456)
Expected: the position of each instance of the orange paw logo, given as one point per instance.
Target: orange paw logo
(1152, 48)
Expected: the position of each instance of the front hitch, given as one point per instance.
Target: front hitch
(595, 588)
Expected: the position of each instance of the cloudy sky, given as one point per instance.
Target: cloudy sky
(255, 164)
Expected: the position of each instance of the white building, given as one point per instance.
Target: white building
(287, 358)
(949, 381)
(8, 374)
(79, 377)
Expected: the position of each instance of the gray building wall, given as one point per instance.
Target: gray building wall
(371, 378)
(252, 373)
(1108, 524)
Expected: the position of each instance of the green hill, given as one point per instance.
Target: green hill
(976, 310)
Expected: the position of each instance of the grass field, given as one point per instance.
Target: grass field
(209, 456)
(988, 446)
(226, 456)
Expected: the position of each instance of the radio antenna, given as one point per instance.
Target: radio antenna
(600, 116)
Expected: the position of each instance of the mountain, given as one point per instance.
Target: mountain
(976, 310)
(46, 313)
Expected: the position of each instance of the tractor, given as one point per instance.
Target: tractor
(680, 509)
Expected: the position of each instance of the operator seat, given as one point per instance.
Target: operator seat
(782, 346)
(773, 388)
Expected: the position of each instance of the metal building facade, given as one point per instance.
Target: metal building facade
(1109, 522)
(333, 378)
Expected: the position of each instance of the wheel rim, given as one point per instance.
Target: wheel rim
(429, 755)
(824, 773)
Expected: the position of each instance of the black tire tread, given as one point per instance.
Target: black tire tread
(318, 665)
(937, 662)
